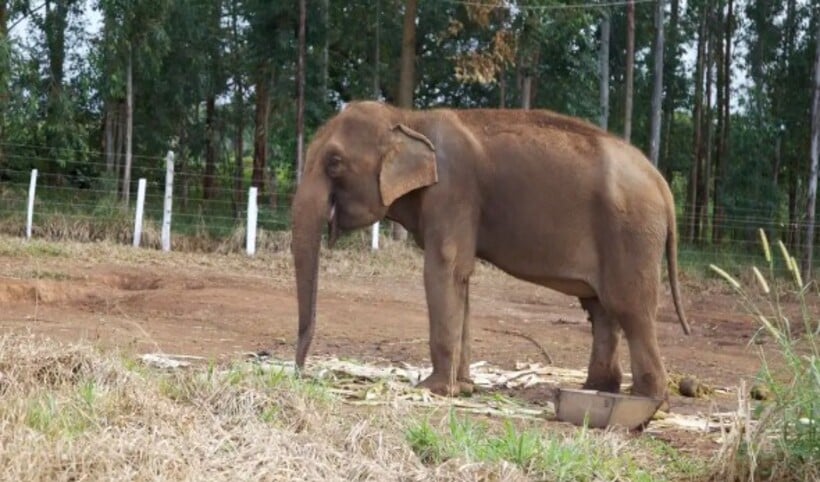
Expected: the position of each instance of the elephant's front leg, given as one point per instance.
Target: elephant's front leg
(445, 283)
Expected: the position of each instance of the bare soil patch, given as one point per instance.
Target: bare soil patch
(370, 307)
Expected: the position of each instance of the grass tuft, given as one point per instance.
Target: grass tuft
(542, 455)
(778, 439)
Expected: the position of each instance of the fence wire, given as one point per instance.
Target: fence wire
(65, 198)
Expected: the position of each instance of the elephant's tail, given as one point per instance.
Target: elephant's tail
(672, 264)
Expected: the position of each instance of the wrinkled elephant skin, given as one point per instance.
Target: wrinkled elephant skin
(546, 198)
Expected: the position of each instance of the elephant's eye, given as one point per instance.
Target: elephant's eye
(334, 166)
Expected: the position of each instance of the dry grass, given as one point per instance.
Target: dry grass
(71, 413)
(273, 259)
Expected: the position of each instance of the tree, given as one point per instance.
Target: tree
(377, 56)
(238, 52)
(603, 67)
(724, 125)
(811, 203)
(407, 76)
(695, 172)
(214, 86)
(671, 79)
(657, 86)
(263, 79)
(5, 67)
(136, 36)
(630, 68)
(300, 94)
(129, 127)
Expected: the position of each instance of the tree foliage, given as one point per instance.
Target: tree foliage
(216, 82)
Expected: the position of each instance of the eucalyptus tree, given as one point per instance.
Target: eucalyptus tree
(134, 33)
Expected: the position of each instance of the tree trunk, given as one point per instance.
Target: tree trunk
(526, 91)
(325, 47)
(407, 77)
(208, 179)
(670, 69)
(5, 67)
(119, 142)
(300, 95)
(129, 127)
(54, 28)
(697, 122)
(260, 133)
(502, 88)
(239, 148)
(108, 137)
(793, 237)
(56, 21)
(270, 178)
(528, 80)
(719, 133)
(811, 203)
(239, 106)
(630, 68)
(722, 159)
(704, 186)
(182, 170)
(657, 87)
(377, 56)
(407, 74)
(603, 71)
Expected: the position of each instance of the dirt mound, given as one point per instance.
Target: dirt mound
(41, 291)
(129, 281)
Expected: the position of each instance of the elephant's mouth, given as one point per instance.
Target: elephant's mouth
(332, 225)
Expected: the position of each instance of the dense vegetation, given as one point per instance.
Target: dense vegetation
(93, 93)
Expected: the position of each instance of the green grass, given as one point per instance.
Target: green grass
(66, 418)
(544, 455)
(33, 248)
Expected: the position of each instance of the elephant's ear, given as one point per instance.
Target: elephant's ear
(408, 164)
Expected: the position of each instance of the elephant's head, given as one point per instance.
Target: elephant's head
(358, 164)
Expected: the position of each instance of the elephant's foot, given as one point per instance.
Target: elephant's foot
(466, 386)
(649, 385)
(608, 386)
(604, 380)
(441, 386)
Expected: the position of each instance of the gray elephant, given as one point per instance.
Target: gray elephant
(547, 198)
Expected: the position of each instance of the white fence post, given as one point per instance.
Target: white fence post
(250, 244)
(30, 214)
(169, 200)
(374, 236)
(140, 209)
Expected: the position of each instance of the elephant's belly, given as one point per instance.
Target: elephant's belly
(570, 287)
(569, 267)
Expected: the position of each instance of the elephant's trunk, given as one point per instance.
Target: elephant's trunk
(312, 208)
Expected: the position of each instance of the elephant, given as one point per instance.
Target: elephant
(546, 198)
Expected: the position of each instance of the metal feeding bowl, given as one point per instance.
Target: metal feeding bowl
(601, 409)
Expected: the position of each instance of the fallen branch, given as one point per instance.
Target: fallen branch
(527, 337)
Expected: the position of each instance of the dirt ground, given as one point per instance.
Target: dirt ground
(370, 306)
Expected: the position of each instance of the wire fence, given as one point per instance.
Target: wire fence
(83, 200)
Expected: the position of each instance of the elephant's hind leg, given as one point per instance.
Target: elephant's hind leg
(604, 372)
(466, 384)
(636, 318)
(648, 373)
